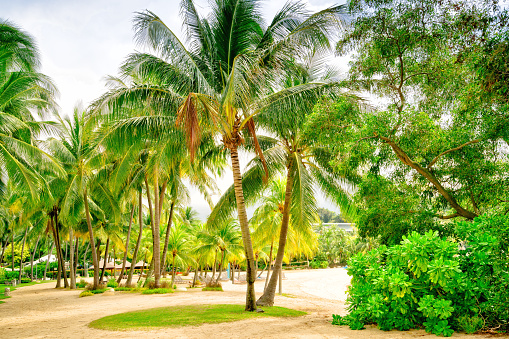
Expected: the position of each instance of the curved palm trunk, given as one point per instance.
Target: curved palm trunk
(106, 250)
(167, 239)
(92, 245)
(85, 265)
(138, 242)
(4, 246)
(214, 266)
(126, 246)
(32, 257)
(246, 235)
(267, 299)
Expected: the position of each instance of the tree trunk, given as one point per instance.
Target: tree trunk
(173, 271)
(76, 255)
(150, 270)
(195, 274)
(85, 265)
(32, 257)
(4, 246)
(12, 247)
(105, 262)
(280, 281)
(92, 244)
(59, 250)
(268, 267)
(221, 267)
(246, 235)
(71, 259)
(50, 253)
(142, 267)
(267, 299)
(126, 246)
(55, 243)
(138, 242)
(167, 238)
(21, 260)
(214, 267)
(114, 259)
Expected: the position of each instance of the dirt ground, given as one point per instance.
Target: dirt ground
(41, 311)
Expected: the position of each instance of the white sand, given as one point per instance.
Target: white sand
(40, 311)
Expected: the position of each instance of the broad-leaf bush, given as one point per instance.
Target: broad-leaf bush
(435, 283)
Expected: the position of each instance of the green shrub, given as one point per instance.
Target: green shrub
(81, 284)
(429, 281)
(98, 291)
(112, 283)
(123, 289)
(318, 264)
(2, 273)
(217, 288)
(470, 324)
(25, 280)
(86, 294)
(158, 291)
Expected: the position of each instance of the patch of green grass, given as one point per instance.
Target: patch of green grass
(288, 295)
(158, 291)
(212, 289)
(2, 287)
(86, 294)
(191, 315)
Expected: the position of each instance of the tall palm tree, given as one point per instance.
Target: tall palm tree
(290, 152)
(85, 191)
(179, 249)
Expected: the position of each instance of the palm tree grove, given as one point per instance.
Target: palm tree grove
(254, 169)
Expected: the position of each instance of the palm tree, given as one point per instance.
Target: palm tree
(22, 91)
(221, 81)
(305, 164)
(82, 159)
(178, 249)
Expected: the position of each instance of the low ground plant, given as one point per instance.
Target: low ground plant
(112, 283)
(158, 291)
(440, 284)
(86, 294)
(82, 284)
(217, 288)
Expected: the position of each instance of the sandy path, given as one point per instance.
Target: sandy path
(40, 311)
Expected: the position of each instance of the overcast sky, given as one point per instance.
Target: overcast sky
(83, 41)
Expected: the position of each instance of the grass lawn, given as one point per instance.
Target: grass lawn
(2, 288)
(191, 315)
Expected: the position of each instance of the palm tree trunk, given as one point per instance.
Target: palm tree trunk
(196, 274)
(4, 246)
(55, 243)
(32, 257)
(142, 267)
(71, 259)
(167, 238)
(85, 265)
(76, 256)
(270, 264)
(106, 250)
(92, 245)
(49, 257)
(246, 235)
(221, 268)
(138, 242)
(126, 246)
(267, 299)
(59, 250)
(12, 247)
(21, 260)
(214, 266)
(173, 271)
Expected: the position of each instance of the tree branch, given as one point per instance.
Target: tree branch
(451, 150)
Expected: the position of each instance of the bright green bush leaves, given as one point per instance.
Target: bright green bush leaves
(441, 284)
